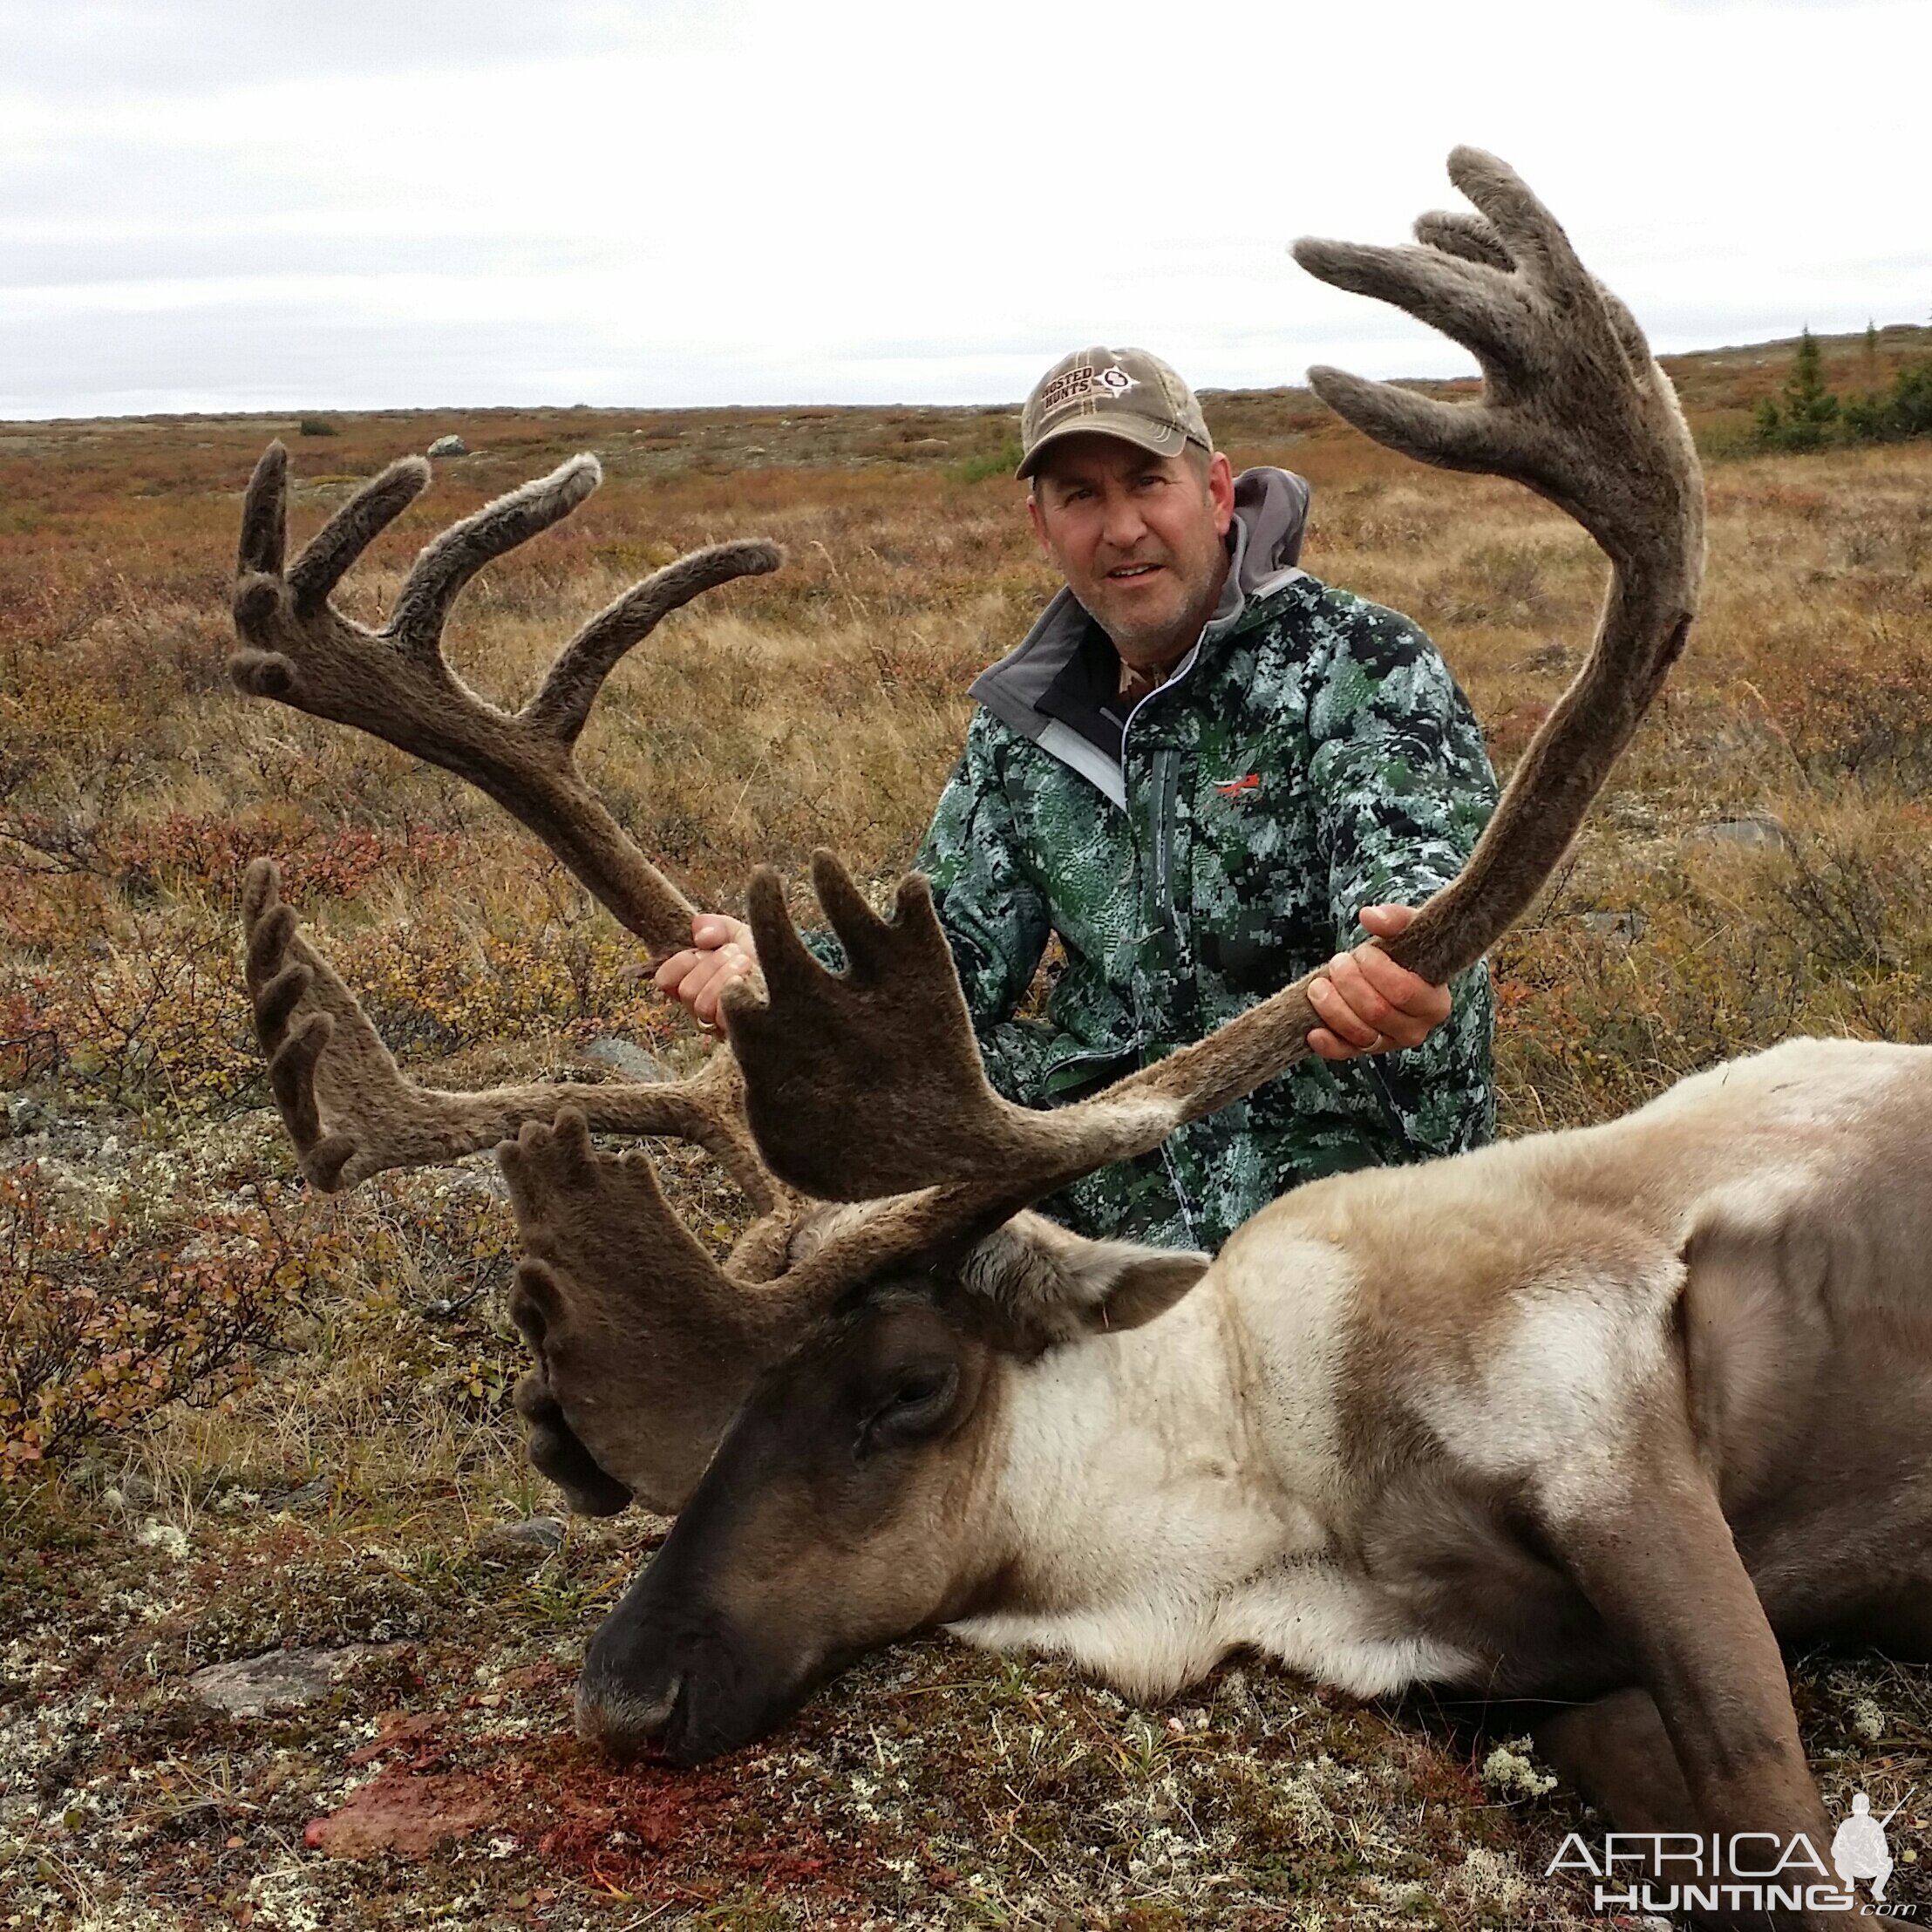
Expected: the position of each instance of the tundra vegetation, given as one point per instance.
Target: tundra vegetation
(237, 1417)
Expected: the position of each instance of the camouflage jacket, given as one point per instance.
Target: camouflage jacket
(1311, 756)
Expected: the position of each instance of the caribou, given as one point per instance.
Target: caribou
(1593, 1419)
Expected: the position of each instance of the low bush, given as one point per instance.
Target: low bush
(104, 1321)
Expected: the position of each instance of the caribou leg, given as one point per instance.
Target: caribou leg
(1617, 1755)
(1657, 1561)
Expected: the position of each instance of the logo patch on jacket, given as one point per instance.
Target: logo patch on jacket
(1233, 788)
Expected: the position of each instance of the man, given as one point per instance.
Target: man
(1205, 772)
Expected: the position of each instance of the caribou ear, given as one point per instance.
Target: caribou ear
(1043, 1285)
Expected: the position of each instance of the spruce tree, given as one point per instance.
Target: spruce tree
(1810, 408)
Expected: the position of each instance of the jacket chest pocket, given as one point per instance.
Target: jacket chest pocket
(1259, 891)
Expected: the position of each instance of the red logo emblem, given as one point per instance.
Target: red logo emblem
(1233, 788)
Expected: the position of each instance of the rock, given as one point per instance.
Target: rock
(280, 1680)
(1553, 655)
(129, 1490)
(529, 1541)
(626, 1059)
(307, 1497)
(1758, 830)
(449, 446)
(1625, 925)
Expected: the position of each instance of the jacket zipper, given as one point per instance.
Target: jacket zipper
(1163, 777)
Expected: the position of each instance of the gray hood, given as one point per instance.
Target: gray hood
(1270, 516)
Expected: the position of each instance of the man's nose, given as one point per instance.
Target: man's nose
(1123, 524)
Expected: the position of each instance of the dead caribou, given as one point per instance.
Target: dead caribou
(1573, 1418)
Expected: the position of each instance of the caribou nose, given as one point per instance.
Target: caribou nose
(624, 1720)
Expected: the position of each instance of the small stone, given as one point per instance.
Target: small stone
(1623, 927)
(626, 1059)
(281, 1680)
(1553, 656)
(449, 446)
(307, 1497)
(529, 1541)
(1761, 832)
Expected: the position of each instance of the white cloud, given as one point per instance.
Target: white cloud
(731, 200)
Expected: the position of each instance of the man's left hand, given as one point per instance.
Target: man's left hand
(1368, 1003)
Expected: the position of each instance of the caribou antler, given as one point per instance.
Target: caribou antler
(351, 1113)
(1574, 406)
(397, 685)
(347, 1109)
(644, 1343)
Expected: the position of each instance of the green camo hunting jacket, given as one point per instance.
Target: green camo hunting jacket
(1312, 756)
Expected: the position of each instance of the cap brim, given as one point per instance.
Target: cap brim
(1157, 439)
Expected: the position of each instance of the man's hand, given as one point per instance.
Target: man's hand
(720, 951)
(1367, 1003)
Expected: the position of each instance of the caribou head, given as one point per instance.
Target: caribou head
(903, 1399)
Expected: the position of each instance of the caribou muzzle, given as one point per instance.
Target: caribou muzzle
(669, 1677)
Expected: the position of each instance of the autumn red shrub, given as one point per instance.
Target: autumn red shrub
(103, 1320)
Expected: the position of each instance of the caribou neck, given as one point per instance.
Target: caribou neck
(1142, 1480)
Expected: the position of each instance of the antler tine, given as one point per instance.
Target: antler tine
(1456, 231)
(397, 686)
(327, 556)
(1456, 294)
(569, 689)
(449, 563)
(1452, 436)
(351, 1113)
(1533, 236)
(265, 515)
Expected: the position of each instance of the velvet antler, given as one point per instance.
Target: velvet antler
(397, 685)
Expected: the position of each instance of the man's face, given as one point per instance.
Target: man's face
(1139, 538)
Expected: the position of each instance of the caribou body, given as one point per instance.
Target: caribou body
(1592, 1420)
(1515, 1423)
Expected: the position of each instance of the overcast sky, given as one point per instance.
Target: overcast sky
(224, 204)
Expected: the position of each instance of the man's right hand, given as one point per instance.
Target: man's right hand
(720, 951)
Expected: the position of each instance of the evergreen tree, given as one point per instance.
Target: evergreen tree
(1810, 409)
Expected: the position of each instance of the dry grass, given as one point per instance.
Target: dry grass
(344, 1492)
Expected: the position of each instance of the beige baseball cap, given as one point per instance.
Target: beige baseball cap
(1124, 392)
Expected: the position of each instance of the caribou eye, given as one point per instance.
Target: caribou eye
(916, 1404)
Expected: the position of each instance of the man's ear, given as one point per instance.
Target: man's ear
(1221, 492)
(1041, 1285)
(1037, 517)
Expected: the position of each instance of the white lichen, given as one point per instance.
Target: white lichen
(1510, 1769)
